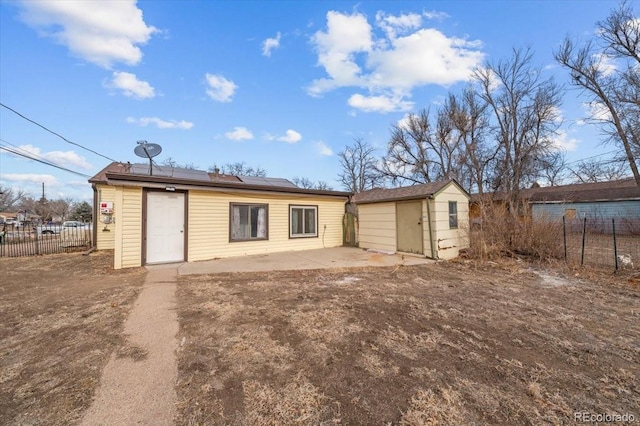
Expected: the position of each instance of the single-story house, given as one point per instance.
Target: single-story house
(600, 201)
(176, 215)
(431, 219)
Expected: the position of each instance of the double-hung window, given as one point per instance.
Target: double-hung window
(303, 221)
(248, 222)
(453, 214)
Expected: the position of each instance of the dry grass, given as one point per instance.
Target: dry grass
(61, 317)
(451, 343)
(503, 234)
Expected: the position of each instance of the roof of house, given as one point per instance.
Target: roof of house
(615, 190)
(624, 189)
(414, 192)
(140, 174)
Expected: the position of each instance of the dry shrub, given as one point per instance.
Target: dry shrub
(503, 233)
(429, 408)
(298, 403)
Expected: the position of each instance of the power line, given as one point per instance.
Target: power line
(27, 152)
(593, 156)
(30, 156)
(56, 134)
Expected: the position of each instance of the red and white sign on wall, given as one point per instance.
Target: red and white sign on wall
(106, 207)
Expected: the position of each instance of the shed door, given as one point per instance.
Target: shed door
(409, 227)
(165, 227)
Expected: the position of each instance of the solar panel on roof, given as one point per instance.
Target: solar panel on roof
(266, 181)
(168, 171)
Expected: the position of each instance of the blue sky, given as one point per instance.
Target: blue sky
(283, 85)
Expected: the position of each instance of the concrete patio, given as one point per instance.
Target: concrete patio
(335, 257)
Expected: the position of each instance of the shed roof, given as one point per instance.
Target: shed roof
(414, 192)
(139, 174)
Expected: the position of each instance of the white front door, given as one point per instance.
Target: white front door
(165, 227)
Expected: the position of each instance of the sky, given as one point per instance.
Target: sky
(281, 85)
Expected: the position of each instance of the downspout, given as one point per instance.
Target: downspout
(95, 216)
(434, 253)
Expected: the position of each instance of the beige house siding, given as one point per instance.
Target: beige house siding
(377, 226)
(128, 240)
(106, 235)
(208, 234)
(450, 241)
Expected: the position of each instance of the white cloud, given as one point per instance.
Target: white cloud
(597, 111)
(401, 24)
(160, 124)
(61, 158)
(239, 134)
(290, 136)
(101, 32)
(606, 64)
(346, 35)
(219, 88)
(130, 86)
(404, 57)
(323, 149)
(382, 104)
(563, 141)
(48, 180)
(270, 44)
(434, 14)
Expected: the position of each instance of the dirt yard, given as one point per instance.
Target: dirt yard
(452, 343)
(61, 317)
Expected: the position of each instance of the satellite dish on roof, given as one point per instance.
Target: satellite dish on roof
(148, 150)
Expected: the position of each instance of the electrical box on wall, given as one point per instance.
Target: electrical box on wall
(106, 207)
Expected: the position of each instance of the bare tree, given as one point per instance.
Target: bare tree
(239, 169)
(359, 171)
(61, 208)
(590, 170)
(524, 109)
(553, 167)
(468, 116)
(169, 161)
(323, 186)
(608, 71)
(306, 183)
(10, 199)
(419, 152)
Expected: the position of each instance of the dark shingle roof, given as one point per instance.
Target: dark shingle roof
(379, 195)
(624, 189)
(189, 177)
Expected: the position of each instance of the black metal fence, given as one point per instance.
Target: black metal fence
(15, 242)
(602, 242)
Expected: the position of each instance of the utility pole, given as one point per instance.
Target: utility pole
(43, 201)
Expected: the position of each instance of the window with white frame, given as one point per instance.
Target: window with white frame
(303, 221)
(453, 214)
(248, 222)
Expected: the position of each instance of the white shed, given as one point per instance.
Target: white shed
(431, 219)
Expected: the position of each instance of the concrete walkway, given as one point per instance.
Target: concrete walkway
(143, 392)
(334, 257)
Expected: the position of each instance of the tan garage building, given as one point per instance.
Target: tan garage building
(430, 219)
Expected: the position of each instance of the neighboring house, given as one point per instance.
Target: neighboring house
(179, 215)
(619, 199)
(430, 219)
(599, 202)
